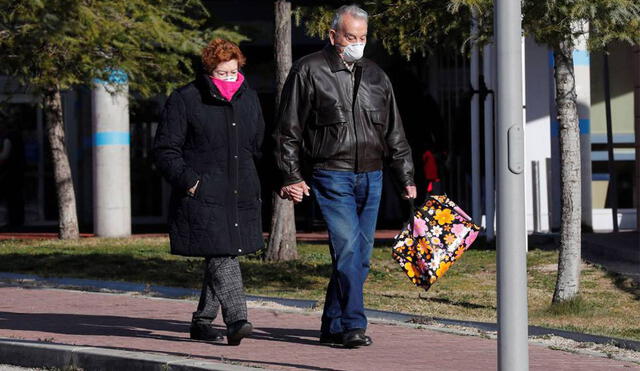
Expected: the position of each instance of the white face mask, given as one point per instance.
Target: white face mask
(228, 78)
(353, 52)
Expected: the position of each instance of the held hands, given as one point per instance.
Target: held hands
(410, 192)
(295, 192)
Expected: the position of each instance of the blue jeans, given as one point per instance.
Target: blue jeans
(349, 204)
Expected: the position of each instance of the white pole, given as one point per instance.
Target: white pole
(111, 168)
(511, 228)
(489, 198)
(474, 71)
(523, 50)
(582, 71)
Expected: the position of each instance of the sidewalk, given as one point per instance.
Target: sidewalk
(154, 328)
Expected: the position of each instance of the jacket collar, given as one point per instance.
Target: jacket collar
(335, 62)
(210, 90)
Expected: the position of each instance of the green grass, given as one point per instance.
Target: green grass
(574, 307)
(608, 305)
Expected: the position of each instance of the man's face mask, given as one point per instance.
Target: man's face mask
(353, 52)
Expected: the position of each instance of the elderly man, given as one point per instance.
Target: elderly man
(339, 109)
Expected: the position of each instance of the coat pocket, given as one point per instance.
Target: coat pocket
(378, 122)
(207, 225)
(330, 132)
(197, 228)
(250, 214)
(378, 117)
(331, 116)
(212, 189)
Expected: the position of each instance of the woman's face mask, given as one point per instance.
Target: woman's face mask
(229, 78)
(226, 71)
(226, 76)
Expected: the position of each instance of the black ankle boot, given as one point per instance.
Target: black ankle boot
(237, 331)
(204, 332)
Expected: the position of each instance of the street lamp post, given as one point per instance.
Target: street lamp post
(511, 229)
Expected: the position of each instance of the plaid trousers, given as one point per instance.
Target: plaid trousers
(221, 287)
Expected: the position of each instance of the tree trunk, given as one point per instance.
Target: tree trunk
(282, 238)
(568, 281)
(67, 216)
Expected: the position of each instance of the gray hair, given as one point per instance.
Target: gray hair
(353, 10)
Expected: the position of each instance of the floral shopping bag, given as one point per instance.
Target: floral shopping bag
(436, 237)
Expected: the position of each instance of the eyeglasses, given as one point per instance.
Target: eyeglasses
(222, 74)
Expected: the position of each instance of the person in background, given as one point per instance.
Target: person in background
(206, 146)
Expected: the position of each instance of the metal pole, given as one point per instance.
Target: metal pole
(610, 159)
(111, 162)
(535, 178)
(511, 228)
(582, 74)
(636, 94)
(523, 66)
(476, 211)
(489, 159)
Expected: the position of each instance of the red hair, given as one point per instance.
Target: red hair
(219, 51)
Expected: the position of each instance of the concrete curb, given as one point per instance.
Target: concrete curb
(493, 327)
(36, 354)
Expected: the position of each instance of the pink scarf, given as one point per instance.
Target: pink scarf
(228, 88)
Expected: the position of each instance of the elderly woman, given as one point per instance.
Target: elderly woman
(209, 137)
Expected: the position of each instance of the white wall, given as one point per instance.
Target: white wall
(537, 127)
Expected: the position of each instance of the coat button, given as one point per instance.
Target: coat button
(235, 225)
(233, 124)
(236, 157)
(239, 250)
(235, 191)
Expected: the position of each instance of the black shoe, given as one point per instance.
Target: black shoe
(237, 331)
(331, 338)
(205, 332)
(355, 338)
(367, 340)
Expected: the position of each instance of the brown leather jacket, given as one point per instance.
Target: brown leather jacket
(341, 120)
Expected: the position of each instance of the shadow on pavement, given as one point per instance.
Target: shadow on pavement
(98, 325)
(101, 325)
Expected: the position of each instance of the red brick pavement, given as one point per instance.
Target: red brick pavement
(282, 340)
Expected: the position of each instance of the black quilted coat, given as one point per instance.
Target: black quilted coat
(204, 137)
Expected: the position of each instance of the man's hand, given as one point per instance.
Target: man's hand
(295, 192)
(410, 192)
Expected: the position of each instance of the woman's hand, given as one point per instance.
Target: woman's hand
(192, 190)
